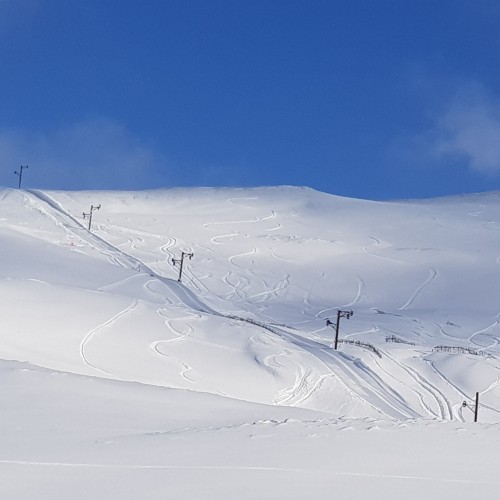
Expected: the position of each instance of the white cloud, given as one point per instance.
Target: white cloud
(95, 154)
(468, 129)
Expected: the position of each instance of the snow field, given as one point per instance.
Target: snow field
(227, 384)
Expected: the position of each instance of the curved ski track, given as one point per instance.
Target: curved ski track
(416, 293)
(92, 332)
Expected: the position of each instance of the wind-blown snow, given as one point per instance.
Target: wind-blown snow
(227, 385)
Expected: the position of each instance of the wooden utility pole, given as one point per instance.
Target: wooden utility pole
(20, 174)
(340, 314)
(181, 262)
(89, 215)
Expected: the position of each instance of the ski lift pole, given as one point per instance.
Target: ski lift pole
(89, 215)
(20, 174)
(476, 406)
(340, 314)
(181, 263)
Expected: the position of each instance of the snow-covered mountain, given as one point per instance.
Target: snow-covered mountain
(111, 364)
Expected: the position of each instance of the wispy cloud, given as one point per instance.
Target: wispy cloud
(94, 154)
(464, 129)
(469, 128)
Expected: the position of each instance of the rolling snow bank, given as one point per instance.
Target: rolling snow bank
(121, 382)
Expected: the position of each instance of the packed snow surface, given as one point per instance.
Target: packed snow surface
(119, 381)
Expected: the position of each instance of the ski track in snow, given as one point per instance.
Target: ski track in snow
(138, 232)
(462, 394)
(271, 360)
(377, 245)
(283, 259)
(117, 283)
(148, 286)
(306, 383)
(359, 295)
(253, 251)
(358, 379)
(185, 367)
(256, 219)
(427, 409)
(445, 409)
(416, 293)
(453, 387)
(215, 239)
(377, 389)
(235, 201)
(484, 330)
(171, 241)
(445, 333)
(361, 288)
(373, 329)
(238, 287)
(275, 291)
(196, 281)
(181, 336)
(97, 329)
(248, 468)
(302, 390)
(279, 226)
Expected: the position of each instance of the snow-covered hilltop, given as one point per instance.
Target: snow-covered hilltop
(103, 312)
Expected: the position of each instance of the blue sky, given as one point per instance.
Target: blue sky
(370, 99)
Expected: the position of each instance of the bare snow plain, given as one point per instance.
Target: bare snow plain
(119, 382)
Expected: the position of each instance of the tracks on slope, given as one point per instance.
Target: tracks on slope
(416, 293)
(115, 254)
(444, 407)
(359, 380)
(95, 330)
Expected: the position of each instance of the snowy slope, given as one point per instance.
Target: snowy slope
(96, 323)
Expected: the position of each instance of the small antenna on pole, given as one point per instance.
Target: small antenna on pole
(89, 215)
(20, 174)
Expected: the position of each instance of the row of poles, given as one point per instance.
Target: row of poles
(184, 255)
(189, 255)
(347, 314)
(88, 216)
